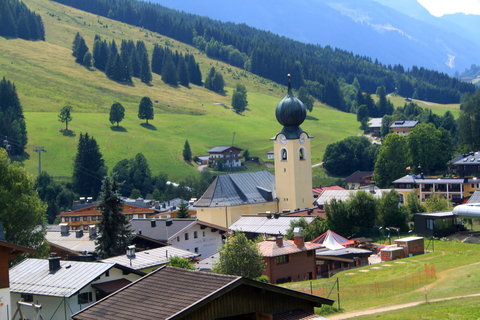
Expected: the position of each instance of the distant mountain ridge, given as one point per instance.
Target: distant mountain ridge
(392, 31)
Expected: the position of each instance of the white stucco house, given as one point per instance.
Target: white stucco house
(63, 288)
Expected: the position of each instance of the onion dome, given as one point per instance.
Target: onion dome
(291, 113)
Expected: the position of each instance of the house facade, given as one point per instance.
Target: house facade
(64, 287)
(466, 165)
(228, 155)
(195, 236)
(403, 127)
(359, 179)
(288, 260)
(82, 218)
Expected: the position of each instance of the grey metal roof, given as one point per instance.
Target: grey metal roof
(32, 276)
(474, 198)
(161, 231)
(472, 158)
(416, 179)
(436, 214)
(238, 189)
(406, 179)
(219, 149)
(71, 241)
(375, 123)
(404, 124)
(341, 252)
(150, 258)
(263, 224)
(344, 195)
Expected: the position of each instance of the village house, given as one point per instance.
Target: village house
(174, 293)
(149, 260)
(343, 195)
(290, 189)
(403, 127)
(437, 224)
(359, 179)
(317, 191)
(192, 235)
(8, 252)
(375, 126)
(454, 189)
(288, 260)
(229, 156)
(65, 287)
(270, 224)
(82, 218)
(466, 165)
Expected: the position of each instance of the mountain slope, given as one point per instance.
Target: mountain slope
(364, 27)
(47, 78)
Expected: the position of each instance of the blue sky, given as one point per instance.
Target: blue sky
(441, 7)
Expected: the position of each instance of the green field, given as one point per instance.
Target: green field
(460, 309)
(456, 272)
(47, 78)
(437, 108)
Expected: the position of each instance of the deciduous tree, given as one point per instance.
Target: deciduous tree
(392, 160)
(65, 116)
(145, 109)
(117, 113)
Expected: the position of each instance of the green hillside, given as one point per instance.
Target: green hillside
(47, 78)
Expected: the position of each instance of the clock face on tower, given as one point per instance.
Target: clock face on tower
(302, 138)
(283, 140)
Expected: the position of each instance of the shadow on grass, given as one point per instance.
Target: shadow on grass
(311, 118)
(148, 126)
(67, 133)
(118, 128)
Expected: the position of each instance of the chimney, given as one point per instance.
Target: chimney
(131, 251)
(53, 262)
(64, 229)
(279, 240)
(78, 233)
(92, 231)
(298, 237)
(276, 215)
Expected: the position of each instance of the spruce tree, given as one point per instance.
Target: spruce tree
(145, 72)
(157, 59)
(187, 152)
(101, 52)
(145, 109)
(183, 73)
(169, 72)
(194, 73)
(182, 212)
(12, 121)
(87, 60)
(114, 229)
(88, 168)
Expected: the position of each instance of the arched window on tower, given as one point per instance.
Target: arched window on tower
(301, 154)
(283, 154)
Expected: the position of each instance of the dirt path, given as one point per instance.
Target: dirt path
(443, 275)
(353, 314)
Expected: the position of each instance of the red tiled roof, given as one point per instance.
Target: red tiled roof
(270, 248)
(319, 190)
(92, 211)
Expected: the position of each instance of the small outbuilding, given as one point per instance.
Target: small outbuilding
(392, 253)
(437, 224)
(412, 246)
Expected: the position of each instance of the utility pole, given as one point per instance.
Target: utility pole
(7, 146)
(39, 150)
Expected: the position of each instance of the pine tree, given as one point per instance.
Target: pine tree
(12, 121)
(100, 54)
(87, 60)
(182, 212)
(9, 25)
(88, 168)
(145, 72)
(183, 73)
(79, 48)
(157, 59)
(117, 113)
(194, 73)
(187, 153)
(214, 81)
(145, 109)
(114, 229)
(169, 72)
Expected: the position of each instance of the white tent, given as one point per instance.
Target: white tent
(331, 243)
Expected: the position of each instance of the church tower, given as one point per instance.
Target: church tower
(292, 150)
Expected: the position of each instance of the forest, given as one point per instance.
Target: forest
(17, 21)
(321, 70)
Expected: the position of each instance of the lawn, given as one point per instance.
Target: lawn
(47, 78)
(465, 308)
(456, 272)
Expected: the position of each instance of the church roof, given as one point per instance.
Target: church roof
(291, 113)
(238, 189)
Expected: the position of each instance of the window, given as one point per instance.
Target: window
(429, 224)
(107, 274)
(178, 239)
(284, 155)
(282, 259)
(301, 154)
(196, 250)
(140, 216)
(153, 223)
(85, 219)
(85, 297)
(66, 219)
(27, 297)
(195, 234)
(186, 236)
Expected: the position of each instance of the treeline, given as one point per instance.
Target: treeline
(321, 70)
(13, 130)
(19, 22)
